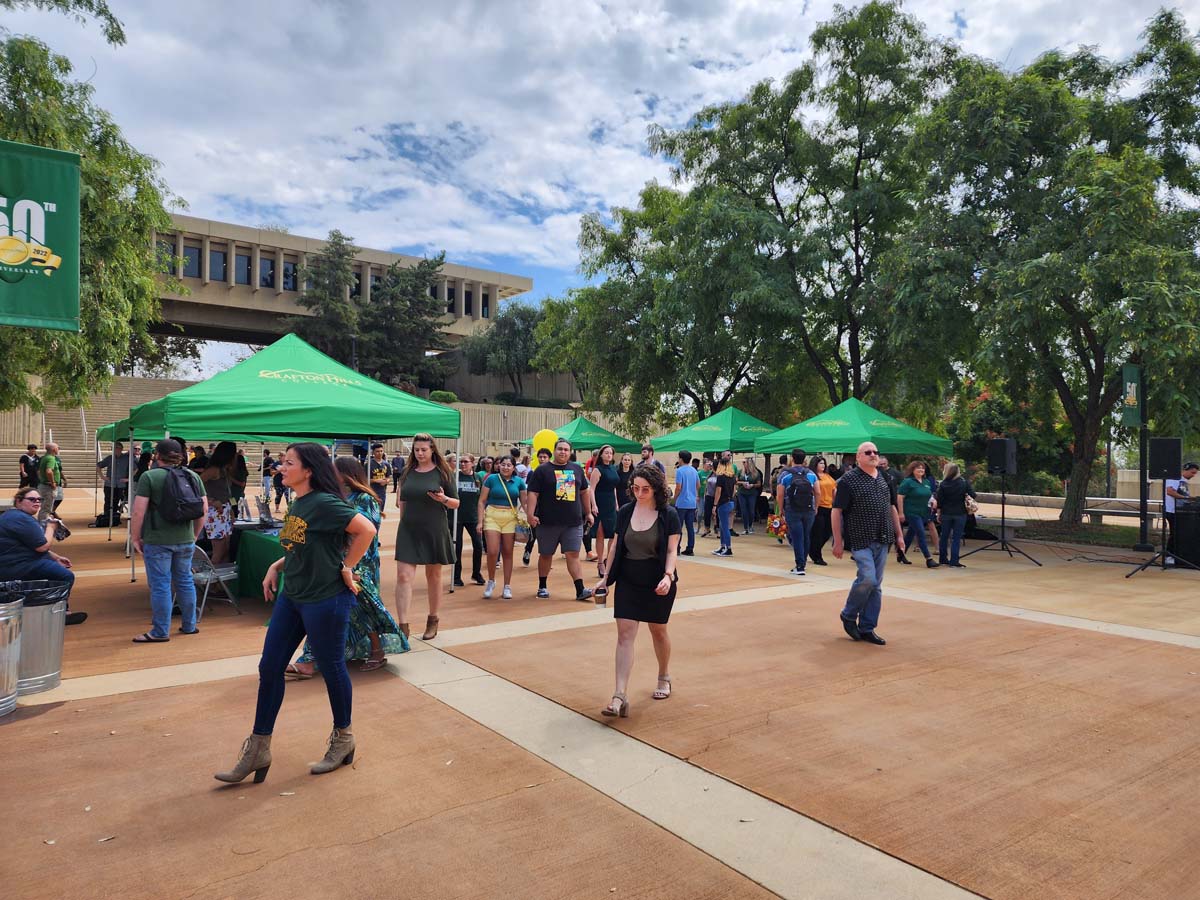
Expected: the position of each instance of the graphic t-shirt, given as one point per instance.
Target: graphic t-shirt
(380, 471)
(313, 539)
(156, 529)
(1180, 485)
(689, 481)
(49, 468)
(560, 492)
(468, 494)
(499, 493)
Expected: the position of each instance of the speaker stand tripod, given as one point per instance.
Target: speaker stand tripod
(1161, 556)
(1002, 542)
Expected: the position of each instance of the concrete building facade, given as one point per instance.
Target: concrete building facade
(243, 282)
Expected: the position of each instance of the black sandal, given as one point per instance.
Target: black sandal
(147, 638)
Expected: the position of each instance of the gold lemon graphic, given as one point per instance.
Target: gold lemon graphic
(13, 251)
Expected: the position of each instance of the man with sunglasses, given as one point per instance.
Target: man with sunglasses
(865, 520)
(25, 553)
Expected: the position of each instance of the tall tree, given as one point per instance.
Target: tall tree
(830, 197)
(400, 337)
(507, 348)
(122, 200)
(561, 344)
(683, 313)
(81, 10)
(333, 326)
(1065, 197)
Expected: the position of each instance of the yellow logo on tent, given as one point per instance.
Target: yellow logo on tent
(295, 375)
(812, 423)
(706, 428)
(755, 429)
(882, 423)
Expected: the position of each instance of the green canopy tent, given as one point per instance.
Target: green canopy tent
(730, 429)
(584, 434)
(843, 428)
(286, 391)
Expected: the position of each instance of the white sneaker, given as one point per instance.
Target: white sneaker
(796, 570)
(506, 594)
(488, 590)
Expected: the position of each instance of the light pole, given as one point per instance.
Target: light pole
(575, 407)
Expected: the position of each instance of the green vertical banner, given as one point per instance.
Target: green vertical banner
(1133, 404)
(39, 237)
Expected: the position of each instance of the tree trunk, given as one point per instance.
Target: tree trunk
(1083, 458)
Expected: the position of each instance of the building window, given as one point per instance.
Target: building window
(376, 280)
(450, 297)
(166, 256)
(266, 271)
(485, 306)
(290, 275)
(191, 261)
(468, 303)
(241, 268)
(218, 265)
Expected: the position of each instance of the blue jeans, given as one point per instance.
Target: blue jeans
(46, 569)
(724, 514)
(170, 566)
(746, 502)
(916, 525)
(866, 594)
(800, 532)
(955, 525)
(326, 623)
(687, 518)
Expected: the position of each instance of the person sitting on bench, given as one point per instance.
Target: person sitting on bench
(25, 553)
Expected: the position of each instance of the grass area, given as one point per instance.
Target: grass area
(1122, 536)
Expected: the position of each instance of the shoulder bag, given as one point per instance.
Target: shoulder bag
(523, 530)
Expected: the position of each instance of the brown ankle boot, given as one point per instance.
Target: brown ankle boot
(431, 623)
(256, 758)
(404, 629)
(340, 752)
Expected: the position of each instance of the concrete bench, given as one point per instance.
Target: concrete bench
(1099, 507)
(992, 524)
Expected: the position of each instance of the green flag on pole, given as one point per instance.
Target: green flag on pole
(1132, 403)
(39, 237)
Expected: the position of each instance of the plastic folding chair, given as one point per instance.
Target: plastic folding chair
(205, 574)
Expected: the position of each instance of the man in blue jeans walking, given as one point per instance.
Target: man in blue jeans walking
(865, 520)
(166, 546)
(687, 484)
(796, 498)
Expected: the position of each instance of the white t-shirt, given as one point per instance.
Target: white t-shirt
(1180, 485)
(522, 470)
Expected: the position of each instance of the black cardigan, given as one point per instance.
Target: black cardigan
(668, 524)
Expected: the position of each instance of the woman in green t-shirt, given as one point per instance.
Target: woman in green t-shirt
(316, 598)
(916, 490)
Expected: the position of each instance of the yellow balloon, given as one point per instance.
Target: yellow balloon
(544, 439)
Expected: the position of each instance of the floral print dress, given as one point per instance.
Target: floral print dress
(369, 615)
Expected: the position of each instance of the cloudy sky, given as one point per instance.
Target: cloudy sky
(481, 127)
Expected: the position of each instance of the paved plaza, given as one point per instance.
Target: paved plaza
(1026, 733)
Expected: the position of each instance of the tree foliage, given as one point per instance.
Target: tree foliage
(828, 198)
(1063, 197)
(400, 336)
(80, 10)
(122, 200)
(507, 348)
(327, 279)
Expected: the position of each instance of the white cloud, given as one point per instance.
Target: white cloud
(507, 120)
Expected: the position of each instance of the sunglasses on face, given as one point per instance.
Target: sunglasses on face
(32, 499)
(870, 453)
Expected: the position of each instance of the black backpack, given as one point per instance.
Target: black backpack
(799, 493)
(182, 498)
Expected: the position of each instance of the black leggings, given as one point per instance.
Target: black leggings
(476, 550)
(822, 531)
(708, 512)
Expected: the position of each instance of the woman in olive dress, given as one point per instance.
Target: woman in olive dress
(373, 632)
(427, 489)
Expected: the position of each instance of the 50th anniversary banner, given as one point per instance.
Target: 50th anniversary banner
(39, 237)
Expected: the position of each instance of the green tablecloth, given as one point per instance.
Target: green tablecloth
(256, 552)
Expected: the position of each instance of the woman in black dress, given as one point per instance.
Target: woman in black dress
(642, 562)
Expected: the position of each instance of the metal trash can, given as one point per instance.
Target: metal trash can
(10, 648)
(43, 623)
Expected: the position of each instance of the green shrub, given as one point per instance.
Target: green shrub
(443, 396)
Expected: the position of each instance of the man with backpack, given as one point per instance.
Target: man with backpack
(796, 498)
(168, 515)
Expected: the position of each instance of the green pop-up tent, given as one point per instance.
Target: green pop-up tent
(584, 434)
(289, 390)
(730, 429)
(843, 428)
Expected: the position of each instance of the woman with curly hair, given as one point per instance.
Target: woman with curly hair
(373, 632)
(642, 562)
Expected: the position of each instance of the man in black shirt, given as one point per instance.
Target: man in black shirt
(865, 521)
(557, 497)
(29, 466)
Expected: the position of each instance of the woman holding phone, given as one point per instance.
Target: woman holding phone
(427, 490)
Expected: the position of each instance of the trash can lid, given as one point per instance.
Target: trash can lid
(37, 593)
